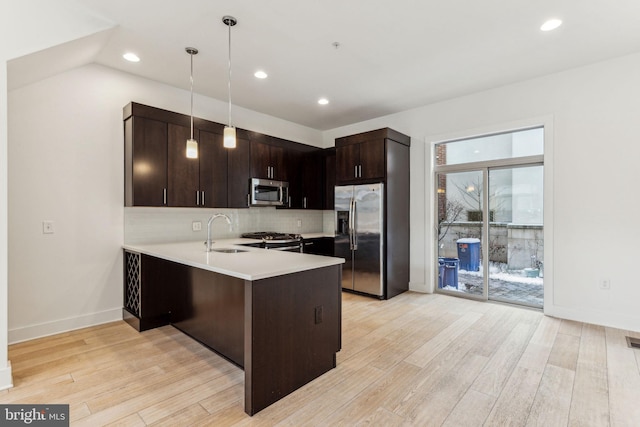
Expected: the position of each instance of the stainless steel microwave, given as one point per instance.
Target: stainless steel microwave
(266, 192)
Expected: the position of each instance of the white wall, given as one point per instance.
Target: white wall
(594, 153)
(27, 26)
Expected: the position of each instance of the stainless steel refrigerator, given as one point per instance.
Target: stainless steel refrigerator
(359, 237)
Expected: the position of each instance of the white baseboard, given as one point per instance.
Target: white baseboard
(6, 380)
(420, 287)
(595, 317)
(64, 325)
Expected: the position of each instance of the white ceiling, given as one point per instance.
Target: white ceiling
(393, 55)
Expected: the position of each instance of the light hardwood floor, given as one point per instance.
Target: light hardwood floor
(424, 360)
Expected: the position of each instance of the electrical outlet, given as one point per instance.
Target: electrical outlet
(299, 222)
(196, 225)
(47, 227)
(605, 284)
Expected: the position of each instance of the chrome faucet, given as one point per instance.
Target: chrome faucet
(209, 242)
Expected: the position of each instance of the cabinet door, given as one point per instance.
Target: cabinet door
(372, 157)
(260, 160)
(146, 153)
(312, 187)
(239, 174)
(184, 173)
(294, 164)
(213, 170)
(319, 246)
(329, 180)
(347, 159)
(278, 165)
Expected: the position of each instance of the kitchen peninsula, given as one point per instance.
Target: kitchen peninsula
(275, 314)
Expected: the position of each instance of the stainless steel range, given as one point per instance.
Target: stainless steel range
(278, 241)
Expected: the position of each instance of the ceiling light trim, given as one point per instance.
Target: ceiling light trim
(551, 24)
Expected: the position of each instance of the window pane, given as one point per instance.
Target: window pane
(510, 145)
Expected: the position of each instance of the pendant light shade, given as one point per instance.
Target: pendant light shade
(192, 148)
(229, 130)
(192, 144)
(229, 137)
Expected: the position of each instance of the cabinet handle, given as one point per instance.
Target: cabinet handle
(304, 202)
(289, 201)
(355, 171)
(203, 203)
(360, 171)
(164, 196)
(197, 198)
(248, 200)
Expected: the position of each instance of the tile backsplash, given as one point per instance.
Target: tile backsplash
(155, 225)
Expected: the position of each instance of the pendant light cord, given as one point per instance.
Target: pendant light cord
(191, 94)
(229, 82)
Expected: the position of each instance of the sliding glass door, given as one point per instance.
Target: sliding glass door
(489, 213)
(460, 233)
(516, 245)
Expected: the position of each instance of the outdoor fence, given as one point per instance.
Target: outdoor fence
(518, 246)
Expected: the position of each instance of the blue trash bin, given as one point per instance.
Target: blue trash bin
(469, 254)
(450, 274)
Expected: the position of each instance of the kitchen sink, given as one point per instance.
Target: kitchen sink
(228, 250)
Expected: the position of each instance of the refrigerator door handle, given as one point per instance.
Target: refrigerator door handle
(351, 224)
(355, 231)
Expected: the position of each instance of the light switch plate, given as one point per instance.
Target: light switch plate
(196, 226)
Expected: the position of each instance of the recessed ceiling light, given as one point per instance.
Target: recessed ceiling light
(551, 24)
(260, 74)
(323, 101)
(131, 57)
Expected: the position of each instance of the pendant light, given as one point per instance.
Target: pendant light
(192, 144)
(229, 131)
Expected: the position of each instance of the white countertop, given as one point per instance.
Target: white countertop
(254, 264)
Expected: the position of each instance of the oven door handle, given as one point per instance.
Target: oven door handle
(285, 248)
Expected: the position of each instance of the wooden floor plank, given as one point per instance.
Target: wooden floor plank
(471, 411)
(624, 388)
(416, 359)
(590, 401)
(564, 353)
(553, 399)
(492, 379)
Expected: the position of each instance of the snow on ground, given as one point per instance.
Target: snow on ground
(498, 272)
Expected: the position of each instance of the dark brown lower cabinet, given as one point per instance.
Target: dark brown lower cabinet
(209, 307)
(319, 246)
(284, 331)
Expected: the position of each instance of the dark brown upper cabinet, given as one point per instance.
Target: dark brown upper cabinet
(312, 179)
(267, 161)
(145, 162)
(362, 158)
(214, 168)
(183, 173)
(329, 178)
(239, 173)
(360, 161)
(158, 173)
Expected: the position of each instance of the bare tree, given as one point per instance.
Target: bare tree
(450, 214)
(471, 193)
